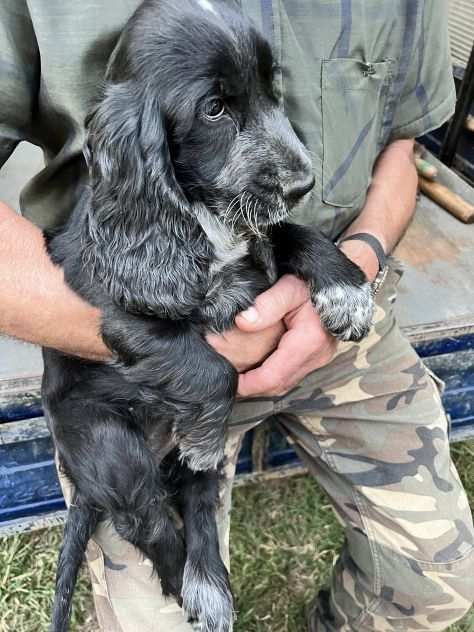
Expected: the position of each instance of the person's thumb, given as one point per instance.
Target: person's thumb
(272, 306)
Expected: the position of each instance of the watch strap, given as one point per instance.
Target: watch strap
(371, 241)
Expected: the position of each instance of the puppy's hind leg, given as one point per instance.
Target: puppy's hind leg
(206, 592)
(80, 524)
(112, 467)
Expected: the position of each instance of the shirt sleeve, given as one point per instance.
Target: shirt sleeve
(19, 76)
(426, 84)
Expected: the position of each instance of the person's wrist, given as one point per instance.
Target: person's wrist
(362, 255)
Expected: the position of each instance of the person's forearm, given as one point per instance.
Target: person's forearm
(36, 305)
(389, 206)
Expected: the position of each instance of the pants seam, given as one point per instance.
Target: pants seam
(377, 578)
(377, 575)
(105, 585)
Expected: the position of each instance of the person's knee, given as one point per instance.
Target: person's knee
(434, 595)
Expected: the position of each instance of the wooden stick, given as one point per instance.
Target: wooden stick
(453, 203)
(425, 169)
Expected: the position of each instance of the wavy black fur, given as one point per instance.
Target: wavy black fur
(193, 171)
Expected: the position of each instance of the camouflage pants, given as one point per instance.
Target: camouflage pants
(371, 429)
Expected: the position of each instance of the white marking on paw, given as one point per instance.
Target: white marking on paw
(207, 599)
(207, 6)
(345, 310)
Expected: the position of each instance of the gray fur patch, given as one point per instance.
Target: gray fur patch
(200, 458)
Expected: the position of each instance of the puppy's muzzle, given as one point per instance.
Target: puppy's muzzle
(297, 190)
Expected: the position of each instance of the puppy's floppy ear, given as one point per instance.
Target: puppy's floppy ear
(128, 150)
(137, 243)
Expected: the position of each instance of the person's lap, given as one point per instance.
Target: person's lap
(376, 439)
(371, 429)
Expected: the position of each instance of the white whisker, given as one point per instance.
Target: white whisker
(229, 210)
(255, 211)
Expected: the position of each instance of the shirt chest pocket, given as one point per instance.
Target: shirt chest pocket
(354, 95)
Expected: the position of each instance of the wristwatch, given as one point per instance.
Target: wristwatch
(377, 247)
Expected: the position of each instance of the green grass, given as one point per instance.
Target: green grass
(284, 541)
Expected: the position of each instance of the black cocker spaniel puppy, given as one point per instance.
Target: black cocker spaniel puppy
(194, 170)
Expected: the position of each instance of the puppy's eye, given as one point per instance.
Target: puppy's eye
(214, 109)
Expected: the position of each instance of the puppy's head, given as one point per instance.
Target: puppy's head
(190, 115)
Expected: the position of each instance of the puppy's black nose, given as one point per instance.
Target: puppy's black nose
(294, 192)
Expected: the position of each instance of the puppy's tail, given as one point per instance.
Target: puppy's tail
(80, 525)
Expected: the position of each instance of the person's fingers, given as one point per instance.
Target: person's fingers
(244, 350)
(277, 374)
(305, 347)
(284, 368)
(266, 380)
(288, 294)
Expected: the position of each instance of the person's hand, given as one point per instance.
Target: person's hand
(247, 350)
(304, 347)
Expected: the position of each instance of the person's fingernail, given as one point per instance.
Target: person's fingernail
(250, 315)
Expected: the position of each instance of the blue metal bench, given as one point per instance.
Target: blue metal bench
(435, 308)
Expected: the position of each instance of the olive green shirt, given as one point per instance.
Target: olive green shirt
(355, 75)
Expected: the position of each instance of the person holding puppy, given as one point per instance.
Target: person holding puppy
(359, 81)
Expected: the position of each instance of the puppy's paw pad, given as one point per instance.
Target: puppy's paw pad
(346, 310)
(207, 600)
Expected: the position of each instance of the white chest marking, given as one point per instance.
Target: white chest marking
(228, 248)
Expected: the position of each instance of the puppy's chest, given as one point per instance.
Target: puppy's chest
(240, 271)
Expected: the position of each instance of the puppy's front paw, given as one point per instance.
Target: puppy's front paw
(200, 457)
(345, 310)
(207, 598)
(202, 438)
